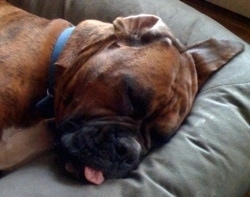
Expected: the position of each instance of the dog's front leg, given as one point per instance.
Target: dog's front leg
(18, 146)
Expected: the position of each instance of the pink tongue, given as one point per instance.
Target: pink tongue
(93, 176)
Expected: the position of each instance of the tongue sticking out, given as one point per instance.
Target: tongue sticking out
(93, 176)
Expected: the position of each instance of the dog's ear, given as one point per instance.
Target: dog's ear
(88, 37)
(134, 27)
(142, 29)
(210, 55)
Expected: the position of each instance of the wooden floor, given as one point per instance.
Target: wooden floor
(236, 23)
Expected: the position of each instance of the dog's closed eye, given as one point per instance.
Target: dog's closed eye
(138, 98)
(139, 102)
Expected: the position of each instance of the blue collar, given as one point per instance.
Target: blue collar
(46, 105)
(59, 46)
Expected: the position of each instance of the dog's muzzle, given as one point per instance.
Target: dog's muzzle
(99, 149)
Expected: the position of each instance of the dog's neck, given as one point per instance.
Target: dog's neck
(46, 105)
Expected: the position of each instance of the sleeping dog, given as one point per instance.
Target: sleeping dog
(114, 90)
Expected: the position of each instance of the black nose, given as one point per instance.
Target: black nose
(122, 148)
(127, 150)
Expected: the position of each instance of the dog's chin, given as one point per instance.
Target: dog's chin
(98, 151)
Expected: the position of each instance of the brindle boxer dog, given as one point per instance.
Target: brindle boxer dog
(120, 89)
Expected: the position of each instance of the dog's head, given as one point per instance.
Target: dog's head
(124, 88)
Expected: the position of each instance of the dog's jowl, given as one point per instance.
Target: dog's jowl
(114, 90)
